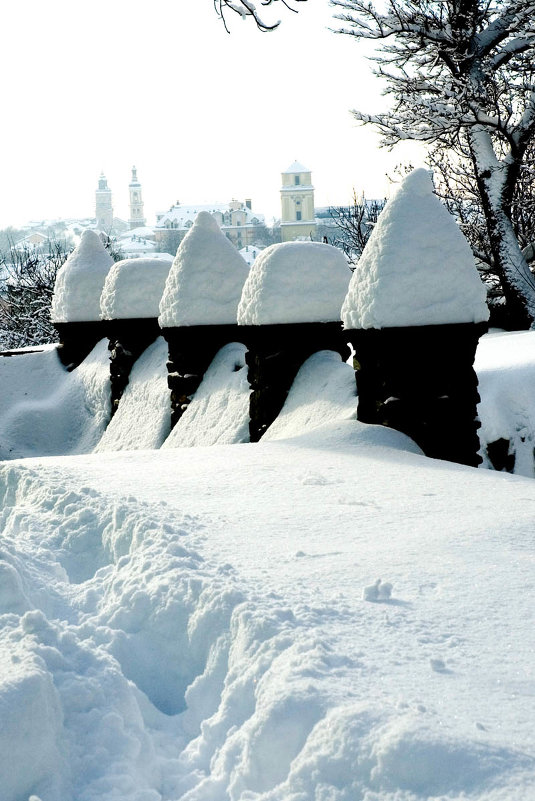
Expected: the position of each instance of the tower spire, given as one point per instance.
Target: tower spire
(137, 218)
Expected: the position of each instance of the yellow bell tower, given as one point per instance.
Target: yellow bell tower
(297, 204)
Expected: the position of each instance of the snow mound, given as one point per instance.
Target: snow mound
(205, 282)
(134, 288)
(219, 410)
(505, 367)
(295, 282)
(143, 417)
(45, 410)
(378, 591)
(80, 280)
(323, 391)
(417, 267)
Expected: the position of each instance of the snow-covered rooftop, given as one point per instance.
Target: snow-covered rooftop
(295, 282)
(296, 167)
(183, 216)
(417, 268)
(80, 280)
(134, 288)
(206, 279)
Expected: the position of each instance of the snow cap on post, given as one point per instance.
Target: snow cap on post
(206, 279)
(295, 282)
(133, 289)
(80, 280)
(417, 267)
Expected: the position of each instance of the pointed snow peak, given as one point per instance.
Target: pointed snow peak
(419, 182)
(206, 279)
(80, 280)
(417, 268)
(90, 245)
(206, 222)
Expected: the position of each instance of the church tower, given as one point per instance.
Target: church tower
(103, 206)
(137, 219)
(297, 202)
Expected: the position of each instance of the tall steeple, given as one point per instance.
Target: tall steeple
(103, 205)
(136, 202)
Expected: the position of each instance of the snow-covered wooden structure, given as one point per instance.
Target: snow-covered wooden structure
(129, 304)
(199, 306)
(289, 309)
(414, 313)
(75, 310)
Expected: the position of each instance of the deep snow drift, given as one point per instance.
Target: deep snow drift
(326, 616)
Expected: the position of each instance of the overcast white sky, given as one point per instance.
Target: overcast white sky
(202, 114)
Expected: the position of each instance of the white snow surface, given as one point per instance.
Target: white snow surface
(219, 410)
(143, 417)
(417, 267)
(505, 365)
(134, 288)
(324, 391)
(295, 282)
(330, 616)
(45, 410)
(80, 280)
(206, 279)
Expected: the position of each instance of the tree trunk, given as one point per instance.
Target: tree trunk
(517, 281)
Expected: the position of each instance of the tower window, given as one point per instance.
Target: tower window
(297, 215)
(297, 180)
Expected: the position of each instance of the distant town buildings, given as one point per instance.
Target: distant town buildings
(236, 219)
(243, 225)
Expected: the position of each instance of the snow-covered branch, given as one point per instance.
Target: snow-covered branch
(247, 8)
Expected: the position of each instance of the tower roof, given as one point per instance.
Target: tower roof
(296, 167)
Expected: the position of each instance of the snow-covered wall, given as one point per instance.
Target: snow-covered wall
(206, 279)
(80, 280)
(295, 282)
(417, 268)
(133, 288)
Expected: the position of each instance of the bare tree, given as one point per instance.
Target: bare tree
(462, 71)
(247, 8)
(26, 295)
(353, 224)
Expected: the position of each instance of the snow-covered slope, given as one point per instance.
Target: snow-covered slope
(45, 410)
(143, 417)
(219, 410)
(327, 618)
